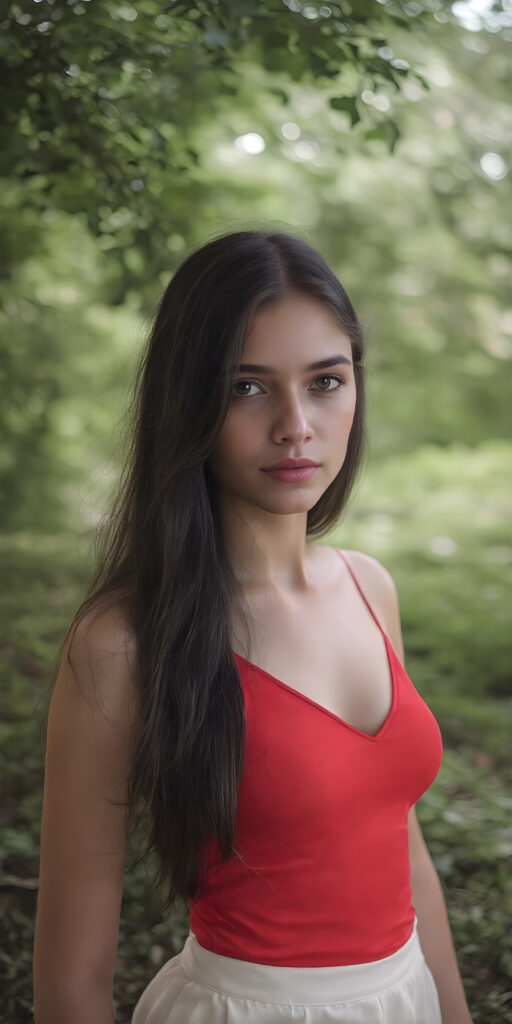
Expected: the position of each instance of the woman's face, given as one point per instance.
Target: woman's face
(287, 410)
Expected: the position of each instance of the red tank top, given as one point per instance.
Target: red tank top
(322, 825)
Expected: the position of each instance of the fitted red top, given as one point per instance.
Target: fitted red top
(322, 825)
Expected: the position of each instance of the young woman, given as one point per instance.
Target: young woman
(240, 688)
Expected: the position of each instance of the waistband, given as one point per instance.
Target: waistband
(310, 986)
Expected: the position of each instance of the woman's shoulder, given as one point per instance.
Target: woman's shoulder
(375, 579)
(369, 569)
(379, 586)
(100, 658)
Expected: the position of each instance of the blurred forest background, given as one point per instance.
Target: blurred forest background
(380, 132)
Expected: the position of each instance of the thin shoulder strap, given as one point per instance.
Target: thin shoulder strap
(361, 591)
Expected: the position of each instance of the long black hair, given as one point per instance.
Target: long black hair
(159, 549)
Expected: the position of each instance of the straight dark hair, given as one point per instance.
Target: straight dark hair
(159, 549)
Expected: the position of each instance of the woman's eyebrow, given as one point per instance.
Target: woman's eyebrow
(320, 364)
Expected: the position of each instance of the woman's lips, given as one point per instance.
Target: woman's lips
(291, 475)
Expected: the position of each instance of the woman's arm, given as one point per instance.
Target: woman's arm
(92, 727)
(434, 928)
(427, 894)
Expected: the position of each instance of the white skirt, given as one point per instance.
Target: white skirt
(200, 987)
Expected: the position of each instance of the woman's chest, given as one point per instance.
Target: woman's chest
(339, 661)
(303, 763)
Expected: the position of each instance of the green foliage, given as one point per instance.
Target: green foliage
(108, 101)
(102, 93)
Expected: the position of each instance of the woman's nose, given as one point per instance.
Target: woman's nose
(291, 419)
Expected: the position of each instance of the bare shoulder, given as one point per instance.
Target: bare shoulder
(380, 588)
(100, 659)
(372, 572)
(103, 629)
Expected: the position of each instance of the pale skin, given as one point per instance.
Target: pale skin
(309, 626)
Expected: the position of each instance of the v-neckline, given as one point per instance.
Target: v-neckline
(341, 721)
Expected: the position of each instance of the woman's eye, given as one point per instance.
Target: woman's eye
(325, 377)
(247, 383)
(329, 376)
